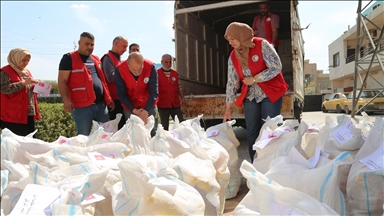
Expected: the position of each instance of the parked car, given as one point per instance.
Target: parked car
(335, 102)
(377, 105)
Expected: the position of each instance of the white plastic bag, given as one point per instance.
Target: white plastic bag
(266, 197)
(343, 137)
(150, 186)
(4, 180)
(279, 146)
(365, 186)
(322, 183)
(226, 138)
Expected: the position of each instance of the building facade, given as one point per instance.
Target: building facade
(315, 81)
(342, 53)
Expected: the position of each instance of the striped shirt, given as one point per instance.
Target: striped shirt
(259, 25)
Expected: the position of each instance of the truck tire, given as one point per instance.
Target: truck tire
(324, 109)
(298, 110)
(346, 110)
(338, 108)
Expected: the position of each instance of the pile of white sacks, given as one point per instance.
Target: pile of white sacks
(334, 169)
(331, 169)
(185, 171)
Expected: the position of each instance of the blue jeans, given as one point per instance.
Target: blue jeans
(153, 112)
(83, 117)
(254, 113)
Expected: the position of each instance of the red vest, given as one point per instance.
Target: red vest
(268, 28)
(137, 91)
(14, 107)
(111, 85)
(274, 88)
(168, 89)
(80, 84)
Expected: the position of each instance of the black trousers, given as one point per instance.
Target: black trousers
(20, 129)
(164, 115)
(118, 109)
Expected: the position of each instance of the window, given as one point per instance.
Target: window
(323, 85)
(336, 60)
(336, 97)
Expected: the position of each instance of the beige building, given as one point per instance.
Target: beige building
(315, 81)
(341, 54)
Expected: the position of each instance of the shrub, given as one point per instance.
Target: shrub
(54, 122)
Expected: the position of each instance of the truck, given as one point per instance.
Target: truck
(202, 52)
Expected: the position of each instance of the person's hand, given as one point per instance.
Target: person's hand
(28, 81)
(228, 112)
(68, 107)
(112, 105)
(183, 102)
(144, 116)
(36, 81)
(250, 80)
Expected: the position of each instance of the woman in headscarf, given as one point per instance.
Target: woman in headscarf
(18, 101)
(255, 63)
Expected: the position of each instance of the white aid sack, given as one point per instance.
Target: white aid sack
(150, 187)
(219, 157)
(322, 183)
(75, 154)
(365, 186)
(343, 137)
(17, 171)
(16, 150)
(365, 125)
(12, 194)
(224, 135)
(215, 152)
(201, 175)
(310, 138)
(139, 134)
(79, 140)
(278, 145)
(266, 197)
(111, 126)
(4, 180)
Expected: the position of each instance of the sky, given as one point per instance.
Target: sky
(51, 29)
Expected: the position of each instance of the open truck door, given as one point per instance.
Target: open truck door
(202, 53)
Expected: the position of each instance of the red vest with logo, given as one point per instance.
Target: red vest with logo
(137, 91)
(111, 85)
(274, 88)
(80, 84)
(14, 107)
(268, 28)
(168, 89)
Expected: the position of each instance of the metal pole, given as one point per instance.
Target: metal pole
(357, 55)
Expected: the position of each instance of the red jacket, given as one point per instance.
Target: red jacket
(111, 85)
(168, 89)
(274, 88)
(268, 28)
(137, 91)
(80, 84)
(14, 107)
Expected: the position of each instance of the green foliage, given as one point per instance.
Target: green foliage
(43, 99)
(54, 122)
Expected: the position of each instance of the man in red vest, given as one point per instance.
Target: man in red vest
(136, 86)
(170, 92)
(110, 61)
(266, 25)
(83, 87)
